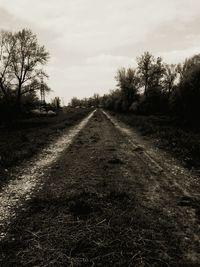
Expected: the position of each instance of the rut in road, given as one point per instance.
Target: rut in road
(104, 203)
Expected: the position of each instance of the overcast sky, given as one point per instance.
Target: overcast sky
(90, 39)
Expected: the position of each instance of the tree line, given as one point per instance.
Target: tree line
(154, 87)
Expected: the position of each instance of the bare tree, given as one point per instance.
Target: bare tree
(7, 44)
(27, 58)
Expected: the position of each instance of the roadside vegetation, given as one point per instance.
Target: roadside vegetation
(169, 134)
(21, 72)
(102, 205)
(27, 121)
(161, 101)
(23, 81)
(26, 137)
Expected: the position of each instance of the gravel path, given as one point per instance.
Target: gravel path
(110, 199)
(31, 178)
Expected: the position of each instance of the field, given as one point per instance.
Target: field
(24, 138)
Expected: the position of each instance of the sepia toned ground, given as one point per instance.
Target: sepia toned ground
(109, 198)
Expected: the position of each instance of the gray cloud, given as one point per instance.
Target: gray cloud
(89, 39)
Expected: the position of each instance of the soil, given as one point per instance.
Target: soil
(110, 199)
(176, 136)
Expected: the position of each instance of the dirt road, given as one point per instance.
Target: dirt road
(109, 199)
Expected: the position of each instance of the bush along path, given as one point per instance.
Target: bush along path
(108, 200)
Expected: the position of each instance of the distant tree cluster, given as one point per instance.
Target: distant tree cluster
(56, 103)
(94, 101)
(155, 87)
(21, 74)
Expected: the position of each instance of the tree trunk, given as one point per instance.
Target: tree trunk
(18, 103)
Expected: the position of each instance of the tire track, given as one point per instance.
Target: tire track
(152, 163)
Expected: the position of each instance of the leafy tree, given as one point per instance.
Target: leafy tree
(128, 82)
(187, 65)
(151, 71)
(30, 100)
(166, 88)
(157, 73)
(145, 63)
(75, 102)
(96, 100)
(56, 102)
(185, 100)
(169, 79)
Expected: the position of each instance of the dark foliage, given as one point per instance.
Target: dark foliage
(154, 88)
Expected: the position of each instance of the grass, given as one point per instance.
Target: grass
(169, 134)
(89, 215)
(25, 137)
(89, 229)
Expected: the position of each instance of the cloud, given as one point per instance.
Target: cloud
(106, 60)
(89, 39)
(177, 56)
